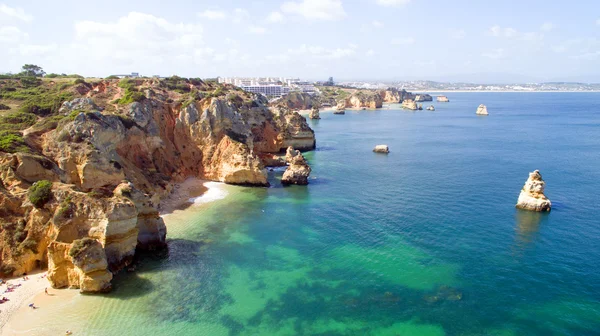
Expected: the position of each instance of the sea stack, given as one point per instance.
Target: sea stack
(532, 195)
(409, 104)
(482, 110)
(298, 170)
(381, 149)
(430, 108)
(442, 99)
(314, 113)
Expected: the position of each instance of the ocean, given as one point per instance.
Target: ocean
(423, 241)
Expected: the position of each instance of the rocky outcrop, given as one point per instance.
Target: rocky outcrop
(110, 171)
(314, 113)
(423, 97)
(532, 195)
(410, 104)
(381, 149)
(393, 95)
(298, 101)
(482, 110)
(298, 169)
(362, 99)
(430, 108)
(442, 99)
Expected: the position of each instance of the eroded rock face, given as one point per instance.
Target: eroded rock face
(314, 113)
(298, 169)
(532, 195)
(298, 101)
(442, 99)
(393, 95)
(362, 99)
(482, 110)
(110, 172)
(410, 104)
(423, 97)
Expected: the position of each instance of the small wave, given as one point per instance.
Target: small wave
(215, 192)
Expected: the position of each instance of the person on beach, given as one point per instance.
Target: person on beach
(32, 306)
(46, 290)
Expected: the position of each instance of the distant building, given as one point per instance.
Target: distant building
(267, 90)
(132, 75)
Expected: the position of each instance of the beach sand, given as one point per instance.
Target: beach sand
(183, 195)
(22, 296)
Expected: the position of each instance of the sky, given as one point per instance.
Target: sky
(482, 41)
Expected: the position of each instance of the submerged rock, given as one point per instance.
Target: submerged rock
(532, 195)
(482, 110)
(381, 149)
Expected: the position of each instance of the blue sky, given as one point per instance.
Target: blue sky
(477, 40)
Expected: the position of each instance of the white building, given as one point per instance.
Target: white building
(267, 90)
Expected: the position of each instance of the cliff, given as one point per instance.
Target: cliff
(393, 95)
(362, 99)
(532, 195)
(298, 101)
(96, 167)
(423, 97)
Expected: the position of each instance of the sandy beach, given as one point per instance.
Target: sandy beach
(183, 195)
(21, 296)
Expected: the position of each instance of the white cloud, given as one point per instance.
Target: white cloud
(512, 33)
(10, 34)
(403, 41)
(547, 26)
(392, 2)
(15, 12)
(494, 54)
(275, 17)
(370, 52)
(257, 29)
(315, 9)
(213, 14)
(458, 34)
(34, 49)
(136, 38)
(377, 24)
(239, 15)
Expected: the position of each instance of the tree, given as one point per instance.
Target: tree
(33, 70)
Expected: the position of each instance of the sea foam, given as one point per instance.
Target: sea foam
(214, 192)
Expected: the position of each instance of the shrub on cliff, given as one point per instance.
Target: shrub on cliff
(4, 107)
(40, 193)
(79, 246)
(12, 142)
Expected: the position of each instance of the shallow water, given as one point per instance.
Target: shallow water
(423, 241)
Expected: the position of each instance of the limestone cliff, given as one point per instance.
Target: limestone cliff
(393, 95)
(362, 99)
(111, 154)
(298, 101)
(314, 113)
(532, 195)
(410, 104)
(423, 97)
(442, 99)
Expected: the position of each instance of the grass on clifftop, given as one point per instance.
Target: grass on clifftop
(132, 94)
(34, 95)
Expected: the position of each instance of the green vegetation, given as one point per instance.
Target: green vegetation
(12, 142)
(40, 193)
(32, 70)
(79, 81)
(30, 244)
(80, 245)
(4, 107)
(65, 210)
(53, 75)
(35, 99)
(131, 92)
(177, 84)
(112, 77)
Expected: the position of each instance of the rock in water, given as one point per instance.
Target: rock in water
(482, 110)
(314, 113)
(442, 99)
(532, 195)
(381, 149)
(430, 108)
(409, 104)
(297, 171)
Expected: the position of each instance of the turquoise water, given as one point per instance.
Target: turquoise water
(423, 241)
